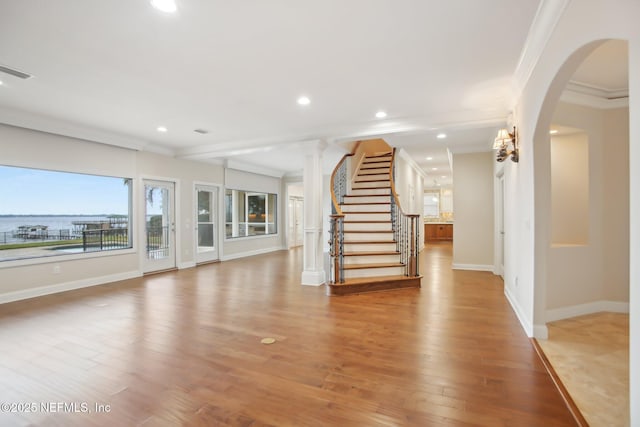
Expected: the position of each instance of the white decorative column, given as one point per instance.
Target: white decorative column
(313, 265)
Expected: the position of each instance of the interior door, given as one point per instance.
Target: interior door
(160, 248)
(296, 206)
(206, 232)
(299, 230)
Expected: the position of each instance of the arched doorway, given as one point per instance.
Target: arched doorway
(582, 217)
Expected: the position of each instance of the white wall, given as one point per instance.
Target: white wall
(576, 34)
(473, 200)
(27, 148)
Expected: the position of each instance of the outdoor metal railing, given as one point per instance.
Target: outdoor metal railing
(104, 240)
(157, 241)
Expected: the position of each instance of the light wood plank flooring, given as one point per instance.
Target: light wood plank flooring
(590, 354)
(183, 348)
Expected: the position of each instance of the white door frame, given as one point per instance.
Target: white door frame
(217, 216)
(170, 262)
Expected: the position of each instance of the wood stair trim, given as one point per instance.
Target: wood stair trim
(371, 253)
(367, 231)
(372, 173)
(366, 221)
(375, 167)
(368, 242)
(368, 195)
(370, 188)
(365, 213)
(363, 203)
(372, 180)
(376, 265)
(373, 284)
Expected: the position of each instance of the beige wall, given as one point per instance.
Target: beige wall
(615, 155)
(570, 189)
(473, 237)
(597, 268)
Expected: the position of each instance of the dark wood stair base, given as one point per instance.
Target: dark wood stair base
(372, 284)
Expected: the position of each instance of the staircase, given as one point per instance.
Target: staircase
(372, 247)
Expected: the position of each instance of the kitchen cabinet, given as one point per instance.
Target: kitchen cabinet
(435, 232)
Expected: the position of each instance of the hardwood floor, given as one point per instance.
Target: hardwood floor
(183, 348)
(590, 354)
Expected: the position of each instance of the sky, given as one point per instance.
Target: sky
(39, 192)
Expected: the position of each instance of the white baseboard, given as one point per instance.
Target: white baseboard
(540, 332)
(313, 278)
(251, 253)
(69, 286)
(588, 308)
(473, 267)
(526, 325)
(188, 264)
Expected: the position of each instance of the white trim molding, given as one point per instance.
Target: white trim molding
(68, 286)
(252, 253)
(472, 267)
(526, 325)
(588, 308)
(543, 25)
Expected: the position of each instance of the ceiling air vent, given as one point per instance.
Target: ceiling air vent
(15, 72)
(201, 131)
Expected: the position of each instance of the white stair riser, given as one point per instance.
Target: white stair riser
(373, 272)
(369, 177)
(370, 259)
(370, 184)
(371, 191)
(369, 198)
(367, 226)
(366, 208)
(351, 216)
(364, 237)
(371, 247)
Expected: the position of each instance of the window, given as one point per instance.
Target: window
(431, 204)
(249, 213)
(45, 213)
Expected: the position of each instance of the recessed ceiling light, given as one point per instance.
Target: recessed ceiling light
(303, 100)
(429, 158)
(381, 114)
(161, 129)
(168, 6)
(0, 82)
(441, 136)
(443, 176)
(434, 169)
(553, 131)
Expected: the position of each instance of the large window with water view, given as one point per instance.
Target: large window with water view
(47, 213)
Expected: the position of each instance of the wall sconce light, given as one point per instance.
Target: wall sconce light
(501, 144)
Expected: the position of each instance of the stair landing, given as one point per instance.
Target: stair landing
(372, 284)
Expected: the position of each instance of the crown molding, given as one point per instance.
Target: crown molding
(73, 130)
(587, 95)
(251, 168)
(407, 158)
(593, 101)
(543, 25)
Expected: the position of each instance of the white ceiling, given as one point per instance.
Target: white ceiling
(114, 71)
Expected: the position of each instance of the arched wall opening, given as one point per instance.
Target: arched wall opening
(582, 200)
